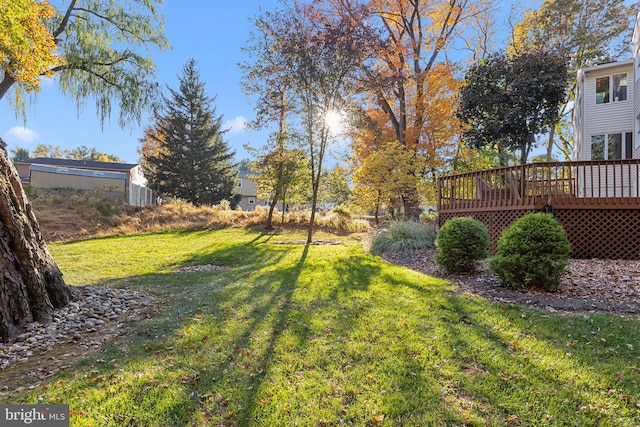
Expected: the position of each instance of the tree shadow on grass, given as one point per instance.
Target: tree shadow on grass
(490, 353)
(217, 353)
(181, 323)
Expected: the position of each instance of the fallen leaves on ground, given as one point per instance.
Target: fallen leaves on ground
(588, 285)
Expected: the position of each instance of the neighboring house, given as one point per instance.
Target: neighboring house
(247, 190)
(114, 180)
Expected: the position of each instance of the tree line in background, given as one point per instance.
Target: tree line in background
(410, 77)
(427, 91)
(55, 152)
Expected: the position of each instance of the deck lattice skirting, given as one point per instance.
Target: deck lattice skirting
(596, 202)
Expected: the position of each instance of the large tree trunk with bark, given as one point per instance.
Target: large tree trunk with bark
(31, 284)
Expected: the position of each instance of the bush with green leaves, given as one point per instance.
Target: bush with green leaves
(402, 236)
(461, 243)
(532, 253)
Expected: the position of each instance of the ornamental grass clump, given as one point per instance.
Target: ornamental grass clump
(532, 253)
(402, 236)
(461, 242)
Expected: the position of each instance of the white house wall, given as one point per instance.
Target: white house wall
(578, 118)
(612, 117)
(603, 119)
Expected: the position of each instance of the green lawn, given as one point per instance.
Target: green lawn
(329, 335)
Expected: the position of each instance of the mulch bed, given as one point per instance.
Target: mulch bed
(610, 286)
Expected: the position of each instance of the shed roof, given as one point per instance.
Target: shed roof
(82, 164)
(79, 172)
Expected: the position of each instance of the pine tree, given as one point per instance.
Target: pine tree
(191, 161)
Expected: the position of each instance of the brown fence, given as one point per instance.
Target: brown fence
(597, 202)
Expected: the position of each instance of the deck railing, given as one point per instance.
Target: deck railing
(610, 184)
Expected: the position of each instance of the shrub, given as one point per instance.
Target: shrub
(339, 221)
(428, 216)
(461, 243)
(224, 205)
(342, 211)
(532, 253)
(358, 226)
(401, 236)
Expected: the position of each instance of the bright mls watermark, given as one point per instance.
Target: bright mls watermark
(34, 415)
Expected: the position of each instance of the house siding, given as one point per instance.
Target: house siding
(111, 185)
(578, 117)
(603, 119)
(247, 189)
(635, 45)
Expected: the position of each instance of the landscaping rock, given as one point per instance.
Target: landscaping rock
(92, 307)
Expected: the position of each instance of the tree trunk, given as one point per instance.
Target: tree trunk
(284, 207)
(31, 284)
(5, 84)
(411, 203)
(269, 224)
(552, 132)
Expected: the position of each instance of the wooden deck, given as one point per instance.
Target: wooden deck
(597, 202)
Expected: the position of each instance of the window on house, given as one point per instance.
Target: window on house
(612, 146)
(239, 183)
(611, 88)
(252, 200)
(602, 90)
(620, 87)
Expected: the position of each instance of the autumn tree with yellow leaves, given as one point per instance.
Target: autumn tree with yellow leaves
(27, 48)
(383, 177)
(408, 86)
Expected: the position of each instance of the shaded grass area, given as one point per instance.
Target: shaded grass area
(329, 335)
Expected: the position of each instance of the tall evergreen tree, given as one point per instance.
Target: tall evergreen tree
(192, 161)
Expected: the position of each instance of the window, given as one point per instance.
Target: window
(239, 183)
(597, 147)
(612, 146)
(620, 87)
(252, 200)
(611, 88)
(602, 90)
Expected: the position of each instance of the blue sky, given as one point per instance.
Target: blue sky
(211, 32)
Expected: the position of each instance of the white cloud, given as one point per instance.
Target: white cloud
(22, 134)
(237, 125)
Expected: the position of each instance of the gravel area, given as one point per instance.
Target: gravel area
(91, 319)
(611, 286)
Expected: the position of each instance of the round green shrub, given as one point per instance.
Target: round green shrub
(532, 253)
(461, 243)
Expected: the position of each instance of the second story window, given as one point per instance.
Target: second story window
(611, 89)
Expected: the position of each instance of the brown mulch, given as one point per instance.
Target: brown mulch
(610, 286)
